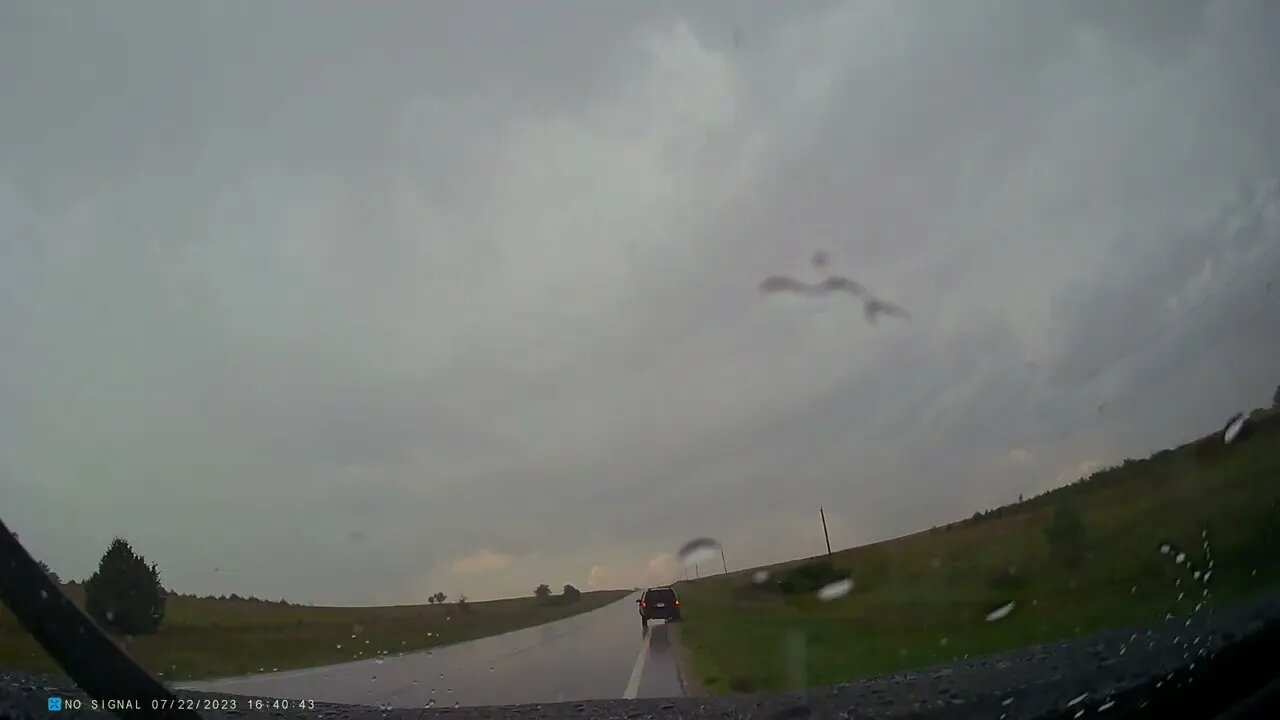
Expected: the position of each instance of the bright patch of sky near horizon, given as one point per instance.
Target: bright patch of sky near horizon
(359, 303)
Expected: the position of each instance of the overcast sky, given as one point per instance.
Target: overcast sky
(355, 302)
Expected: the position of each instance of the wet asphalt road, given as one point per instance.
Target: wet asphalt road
(599, 655)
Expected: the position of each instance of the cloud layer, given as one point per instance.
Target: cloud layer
(354, 306)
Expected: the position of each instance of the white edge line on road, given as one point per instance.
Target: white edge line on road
(633, 685)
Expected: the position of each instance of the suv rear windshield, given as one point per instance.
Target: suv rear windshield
(663, 595)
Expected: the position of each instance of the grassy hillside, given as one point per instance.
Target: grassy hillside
(204, 637)
(924, 598)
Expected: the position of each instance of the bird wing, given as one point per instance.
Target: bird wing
(779, 283)
(876, 306)
(838, 283)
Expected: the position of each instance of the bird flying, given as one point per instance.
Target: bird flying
(873, 307)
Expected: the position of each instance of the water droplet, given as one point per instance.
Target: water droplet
(441, 676)
(353, 637)
(339, 646)
(1180, 595)
(378, 660)
(837, 589)
(1165, 548)
(402, 642)
(1196, 575)
(1180, 558)
(1077, 699)
(366, 642)
(456, 703)
(1106, 705)
(431, 702)
(1007, 701)
(1001, 612)
(1253, 574)
(275, 669)
(492, 668)
(375, 677)
(698, 550)
(760, 577)
(1133, 589)
(1206, 576)
(1233, 429)
(112, 616)
(943, 642)
(44, 594)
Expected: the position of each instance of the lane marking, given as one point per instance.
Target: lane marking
(633, 685)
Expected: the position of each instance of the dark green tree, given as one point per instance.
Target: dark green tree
(124, 594)
(49, 571)
(542, 592)
(571, 593)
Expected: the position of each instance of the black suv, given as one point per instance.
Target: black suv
(659, 603)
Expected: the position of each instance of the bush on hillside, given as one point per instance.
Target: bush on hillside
(124, 594)
(808, 578)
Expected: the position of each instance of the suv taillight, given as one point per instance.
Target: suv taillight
(677, 603)
(643, 604)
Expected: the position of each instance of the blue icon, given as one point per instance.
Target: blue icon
(55, 704)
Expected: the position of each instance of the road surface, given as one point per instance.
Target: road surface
(602, 654)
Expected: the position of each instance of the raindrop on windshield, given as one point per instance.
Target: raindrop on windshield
(1234, 427)
(1181, 558)
(1166, 548)
(44, 594)
(837, 589)
(112, 616)
(1001, 612)
(760, 577)
(1077, 699)
(339, 646)
(698, 550)
(378, 660)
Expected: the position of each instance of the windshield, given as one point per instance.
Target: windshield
(386, 353)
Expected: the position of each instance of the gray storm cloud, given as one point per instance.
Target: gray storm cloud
(361, 304)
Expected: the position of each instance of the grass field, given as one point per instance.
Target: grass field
(924, 598)
(203, 638)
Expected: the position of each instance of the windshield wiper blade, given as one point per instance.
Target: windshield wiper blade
(86, 653)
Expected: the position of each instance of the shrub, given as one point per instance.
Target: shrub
(124, 594)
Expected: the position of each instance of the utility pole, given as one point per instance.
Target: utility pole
(722, 562)
(824, 530)
(696, 575)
